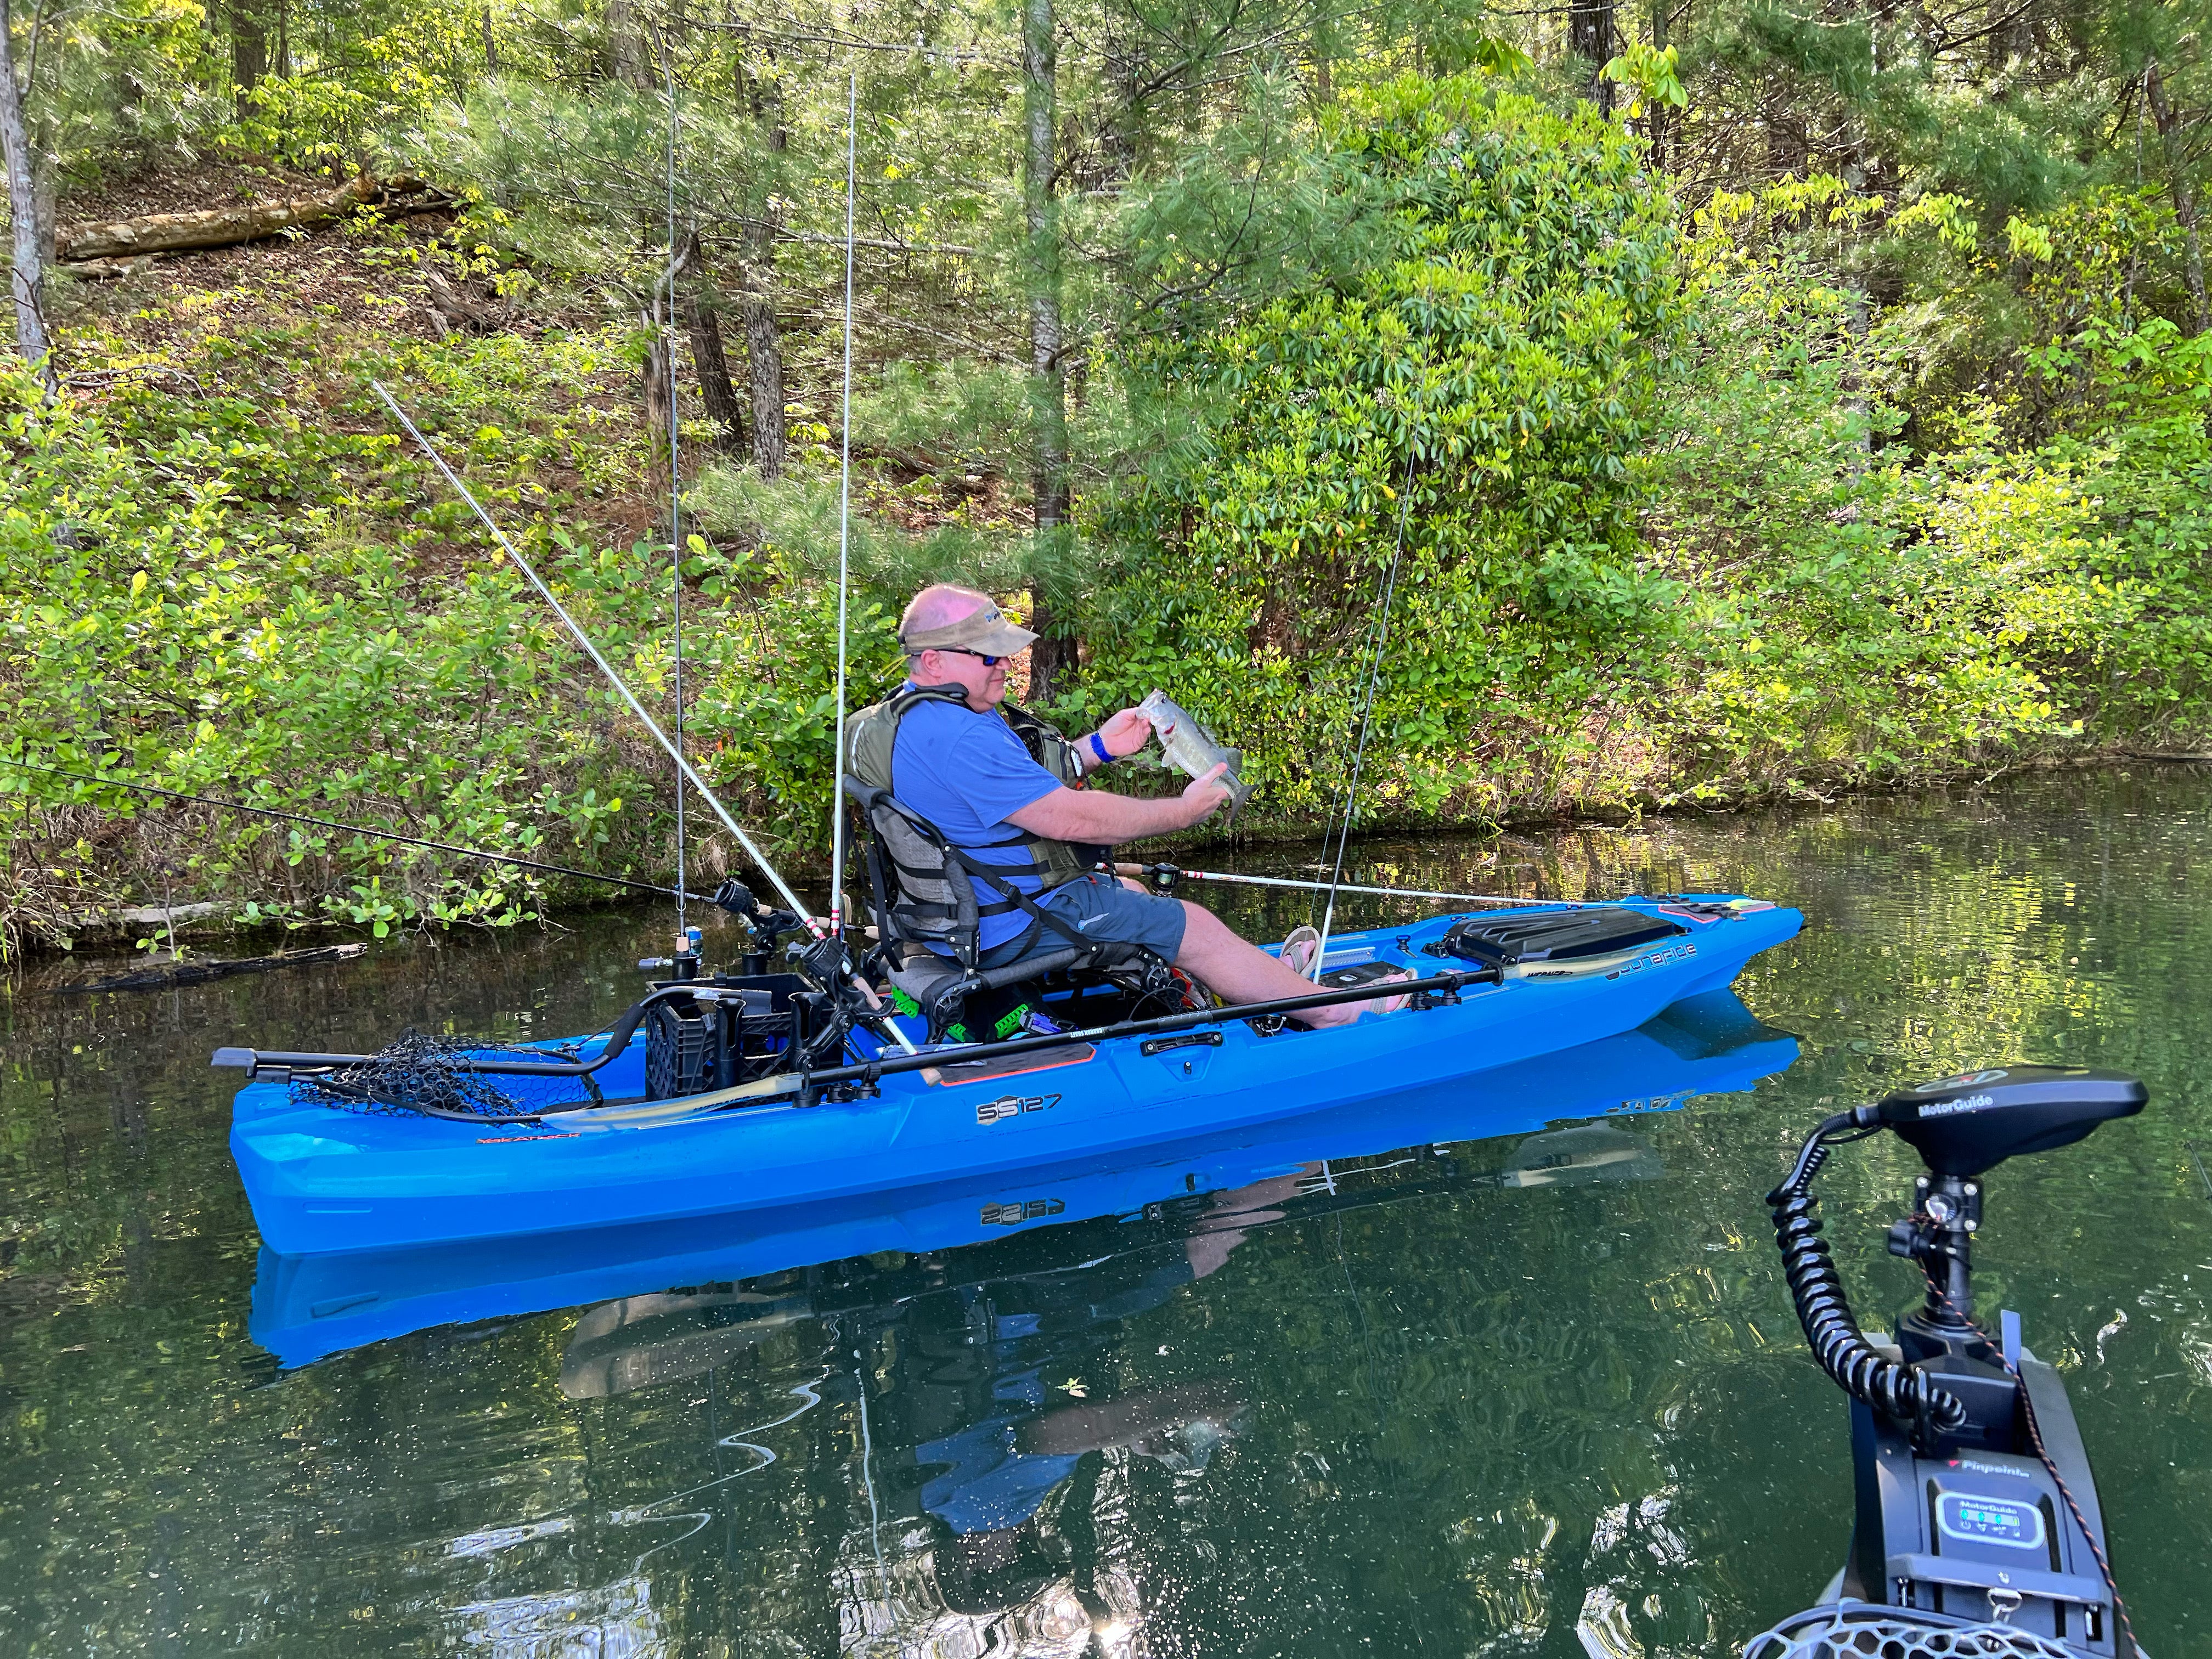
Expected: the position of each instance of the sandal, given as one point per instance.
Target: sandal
(1392, 1005)
(1299, 950)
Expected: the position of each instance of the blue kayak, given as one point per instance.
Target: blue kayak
(1380, 1150)
(322, 1179)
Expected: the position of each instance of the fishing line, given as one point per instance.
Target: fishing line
(1374, 674)
(355, 830)
(844, 528)
(683, 767)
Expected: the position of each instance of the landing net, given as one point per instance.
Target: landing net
(431, 1076)
(1861, 1630)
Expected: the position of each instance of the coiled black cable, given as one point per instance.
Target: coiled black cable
(1818, 1290)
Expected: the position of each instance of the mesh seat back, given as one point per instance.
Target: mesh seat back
(920, 896)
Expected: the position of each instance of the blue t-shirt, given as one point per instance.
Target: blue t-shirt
(964, 772)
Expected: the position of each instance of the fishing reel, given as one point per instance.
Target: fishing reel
(1975, 1504)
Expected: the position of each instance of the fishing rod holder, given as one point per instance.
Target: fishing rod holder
(842, 1092)
(685, 964)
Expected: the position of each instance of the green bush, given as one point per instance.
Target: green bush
(1479, 395)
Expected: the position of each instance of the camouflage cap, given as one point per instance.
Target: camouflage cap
(984, 631)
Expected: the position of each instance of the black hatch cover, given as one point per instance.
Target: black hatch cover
(1559, 936)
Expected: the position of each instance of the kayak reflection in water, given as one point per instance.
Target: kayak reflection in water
(1005, 1421)
(1012, 1478)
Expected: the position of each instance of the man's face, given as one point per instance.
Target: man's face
(986, 686)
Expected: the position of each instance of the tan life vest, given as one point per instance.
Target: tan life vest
(871, 736)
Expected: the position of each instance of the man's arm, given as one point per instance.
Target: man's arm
(1120, 736)
(1095, 816)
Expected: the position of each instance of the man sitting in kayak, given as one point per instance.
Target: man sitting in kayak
(962, 766)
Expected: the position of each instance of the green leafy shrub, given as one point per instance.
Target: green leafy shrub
(1479, 392)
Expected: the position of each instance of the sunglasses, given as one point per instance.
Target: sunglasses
(988, 662)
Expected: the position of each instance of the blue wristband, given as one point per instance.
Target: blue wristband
(1099, 750)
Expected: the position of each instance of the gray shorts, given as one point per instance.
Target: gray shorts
(1099, 907)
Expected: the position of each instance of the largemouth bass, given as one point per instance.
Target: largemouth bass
(1190, 749)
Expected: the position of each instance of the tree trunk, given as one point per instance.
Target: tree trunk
(1053, 653)
(27, 274)
(710, 362)
(249, 52)
(1590, 34)
(491, 46)
(659, 396)
(763, 346)
(625, 45)
(2184, 194)
(44, 189)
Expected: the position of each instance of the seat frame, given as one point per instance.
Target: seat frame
(911, 925)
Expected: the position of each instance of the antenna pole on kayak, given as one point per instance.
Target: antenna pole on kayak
(844, 530)
(675, 475)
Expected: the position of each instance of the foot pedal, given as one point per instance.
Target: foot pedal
(1354, 974)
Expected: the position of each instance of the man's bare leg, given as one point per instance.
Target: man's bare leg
(1237, 971)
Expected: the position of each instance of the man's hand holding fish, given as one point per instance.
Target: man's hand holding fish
(996, 783)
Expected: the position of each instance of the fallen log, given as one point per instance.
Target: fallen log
(163, 232)
(192, 973)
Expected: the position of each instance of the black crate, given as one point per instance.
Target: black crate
(696, 1043)
(679, 1049)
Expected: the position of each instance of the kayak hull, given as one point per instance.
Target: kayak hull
(321, 1179)
(307, 1306)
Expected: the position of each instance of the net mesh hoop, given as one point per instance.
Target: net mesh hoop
(429, 1076)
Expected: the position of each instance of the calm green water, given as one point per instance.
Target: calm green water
(1480, 1419)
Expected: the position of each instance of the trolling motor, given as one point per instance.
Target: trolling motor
(1975, 1508)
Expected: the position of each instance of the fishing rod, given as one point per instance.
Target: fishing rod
(689, 774)
(1367, 702)
(844, 522)
(358, 829)
(683, 767)
(675, 473)
(1163, 877)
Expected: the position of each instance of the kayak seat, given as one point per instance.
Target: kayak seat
(922, 895)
